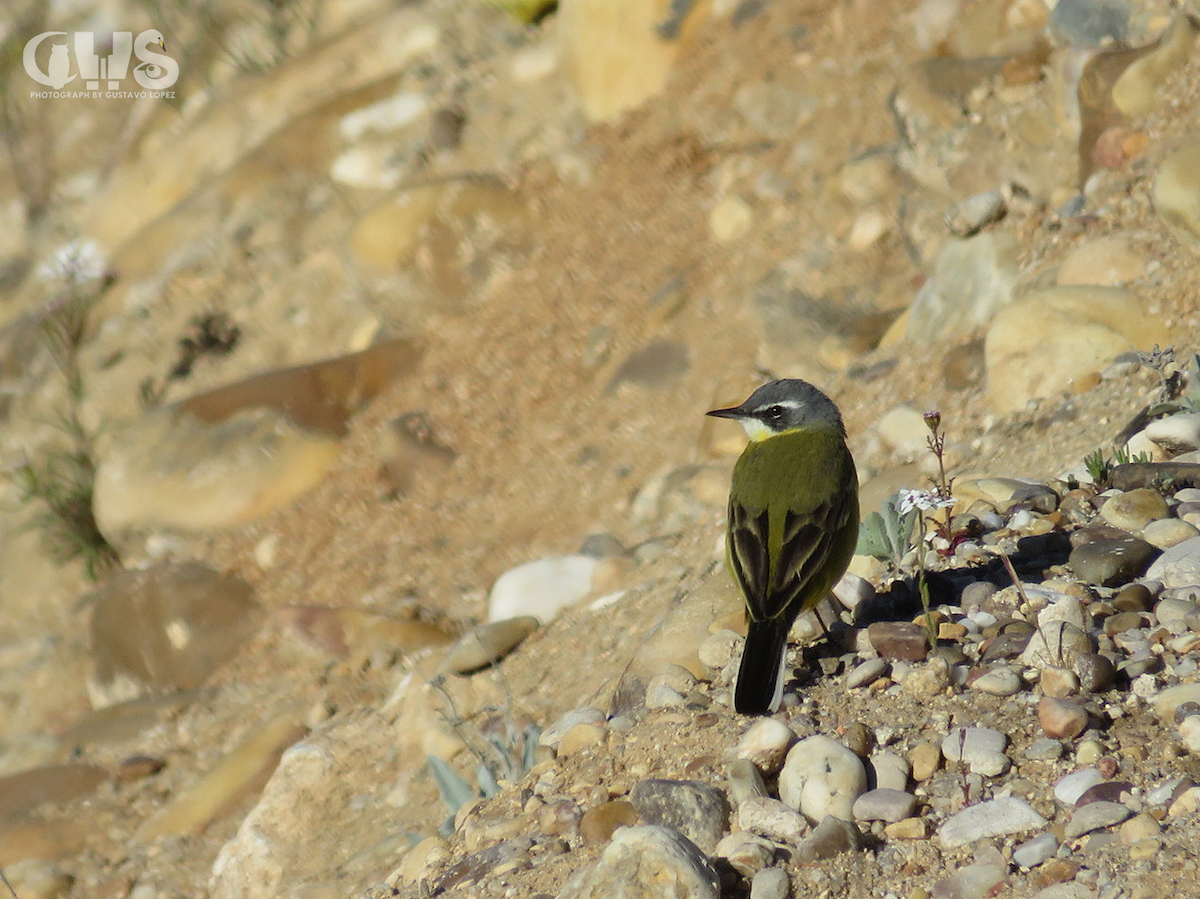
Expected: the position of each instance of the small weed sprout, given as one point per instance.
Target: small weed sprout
(505, 754)
(62, 481)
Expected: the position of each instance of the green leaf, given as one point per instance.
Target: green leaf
(456, 792)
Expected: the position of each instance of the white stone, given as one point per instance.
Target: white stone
(1071, 786)
(639, 861)
(1036, 850)
(765, 744)
(852, 591)
(1176, 433)
(999, 681)
(1168, 700)
(1167, 532)
(966, 743)
(254, 863)
(542, 588)
(772, 819)
(891, 770)
(822, 777)
(1178, 566)
(993, 818)
(1060, 635)
(390, 114)
(1189, 732)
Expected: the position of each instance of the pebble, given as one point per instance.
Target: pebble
(991, 818)
(1071, 786)
(884, 805)
(1134, 509)
(745, 852)
(1058, 682)
(976, 881)
(766, 744)
(821, 777)
(974, 213)
(1111, 563)
(1001, 680)
(639, 860)
(1141, 827)
(1035, 850)
(561, 817)
(891, 771)
(542, 587)
(926, 680)
(925, 759)
(770, 883)
(486, 644)
(1044, 750)
(697, 810)
(580, 737)
(1174, 614)
(1177, 192)
(1060, 635)
(1189, 732)
(908, 829)
(1121, 622)
(1106, 260)
(867, 673)
(1168, 532)
(1094, 816)
(554, 733)
(1084, 23)
(968, 744)
(165, 628)
(1090, 752)
(1108, 791)
(772, 819)
(730, 219)
(832, 836)
(1064, 891)
(1178, 566)
(1133, 598)
(1061, 718)
(1169, 699)
(717, 651)
(745, 781)
(1186, 803)
(600, 822)
(898, 640)
(853, 591)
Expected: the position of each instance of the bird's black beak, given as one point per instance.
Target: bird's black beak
(734, 412)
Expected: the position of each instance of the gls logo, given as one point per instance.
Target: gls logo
(157, 71)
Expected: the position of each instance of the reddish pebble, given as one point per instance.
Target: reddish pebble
(1061, 718)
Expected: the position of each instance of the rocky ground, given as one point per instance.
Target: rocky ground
(401, 321)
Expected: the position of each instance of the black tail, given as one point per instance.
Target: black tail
(760, 674)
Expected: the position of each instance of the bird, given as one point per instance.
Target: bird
(792, 523)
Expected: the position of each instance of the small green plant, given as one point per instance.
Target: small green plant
(887, 534)
(902, 523)
(61, 482)
(1100, 468)
(504, 754)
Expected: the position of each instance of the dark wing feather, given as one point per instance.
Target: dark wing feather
(808, 541)
(748, 554)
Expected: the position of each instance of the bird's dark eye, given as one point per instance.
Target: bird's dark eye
(774, 413)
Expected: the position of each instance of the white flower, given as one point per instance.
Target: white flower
(925, 500)
(78, 262)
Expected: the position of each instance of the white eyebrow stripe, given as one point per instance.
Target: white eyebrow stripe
(787, 404)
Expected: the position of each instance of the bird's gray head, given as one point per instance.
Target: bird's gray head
(782, 406)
